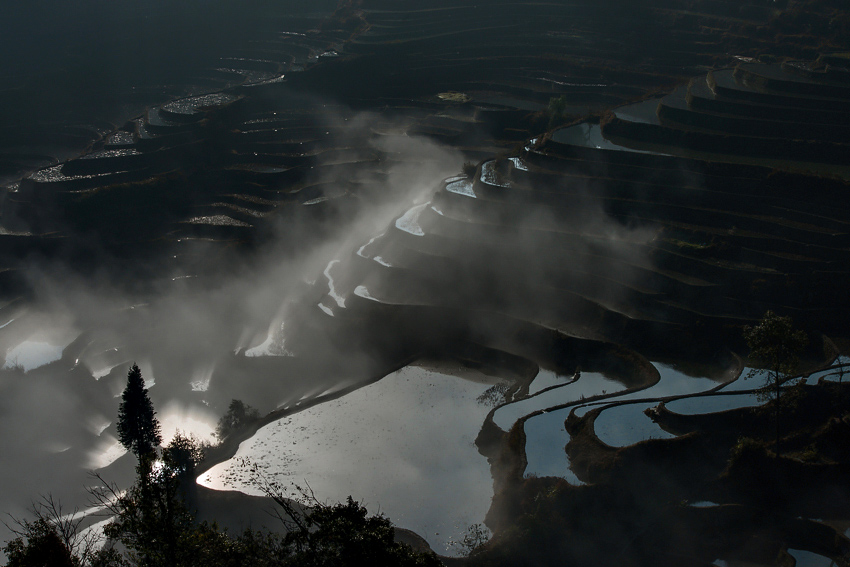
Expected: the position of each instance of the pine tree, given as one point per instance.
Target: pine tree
(138, 429)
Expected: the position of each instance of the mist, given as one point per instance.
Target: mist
(199, 340)
(430, 243)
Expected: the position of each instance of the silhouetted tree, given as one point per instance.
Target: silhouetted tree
(55, 538)
(151, 519)
(338, 535)
(138, 429)
(776, 346)
(238, 415)
(181, 456)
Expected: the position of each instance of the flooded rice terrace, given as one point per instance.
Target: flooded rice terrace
(552, 309)
(403, 446)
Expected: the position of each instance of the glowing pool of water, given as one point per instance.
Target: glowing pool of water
(33, 353)
(409, 221)
(462, 187)
(403, 446)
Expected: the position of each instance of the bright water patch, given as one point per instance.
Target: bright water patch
(672, 383)
(409, 221)
(744, 383)
(590, 384)
(832, 374)
(519, 164)
(362, 250)
(361, 291)
(403, 446)
(274, 345)
(809, 559)
(545, 439)
(589, 135)
(32, 354)
(711, 404)
(546, 379)
(340, 301)
(490, 176)
(461, 187)
(626, 424)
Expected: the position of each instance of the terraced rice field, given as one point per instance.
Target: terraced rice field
(532, 191)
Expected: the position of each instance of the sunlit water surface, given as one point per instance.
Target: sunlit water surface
(403, 446)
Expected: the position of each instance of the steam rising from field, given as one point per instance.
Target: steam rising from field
(188, 336)
(202, 341)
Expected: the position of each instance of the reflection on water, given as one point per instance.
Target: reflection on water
(809, 559)
(32, 354)
(409, 221)
(544, 446)
(546, 378)
(403, 446)
(462, 187)
(839, 372)
(616, 426)
(711, 404)
(623, 425)
(590, 384)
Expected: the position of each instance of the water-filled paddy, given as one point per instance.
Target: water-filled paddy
(626, 424)
(409, 221)
(617, 426)
(39, 349)
(839, 372)
(809, 559)
(711, 404)
(403, 446)
(32, 354)
(547, 378)
(588, 135)
(545, 439)
(623, 425)
(461, 187)
(588, 385)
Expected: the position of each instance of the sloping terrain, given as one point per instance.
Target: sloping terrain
(534, 190)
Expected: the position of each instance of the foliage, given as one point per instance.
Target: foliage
(342, 534)
(494, 395)
(557, 111)
(154, 524)
(776, 346)
(454, 96)
(476, 535)
(54, 538)
(151, 519)
(40, 546)
(138, 428)
(182, 456)
(744, 448)
(238, 415)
